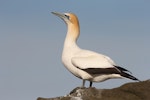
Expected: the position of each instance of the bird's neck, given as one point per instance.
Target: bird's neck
(72, 35)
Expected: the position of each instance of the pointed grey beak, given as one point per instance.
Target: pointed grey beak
(62, 16)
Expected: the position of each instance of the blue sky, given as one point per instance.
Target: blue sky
(31, 41)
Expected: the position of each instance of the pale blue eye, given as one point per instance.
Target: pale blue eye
(67, 16)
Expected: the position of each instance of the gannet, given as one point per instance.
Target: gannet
(85, 64)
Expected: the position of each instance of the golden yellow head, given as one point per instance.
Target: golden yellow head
(72, 22)
(72, 18)
(69, 18)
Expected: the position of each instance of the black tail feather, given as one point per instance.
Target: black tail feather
(126, 75)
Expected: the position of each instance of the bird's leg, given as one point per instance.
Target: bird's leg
(90, 84)
(83, 83)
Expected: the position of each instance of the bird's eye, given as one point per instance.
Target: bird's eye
(67, 16)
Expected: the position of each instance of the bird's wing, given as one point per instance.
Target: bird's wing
(92, 61)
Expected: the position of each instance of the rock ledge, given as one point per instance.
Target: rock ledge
(129, 91)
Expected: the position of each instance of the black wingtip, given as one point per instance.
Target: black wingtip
(126, 75)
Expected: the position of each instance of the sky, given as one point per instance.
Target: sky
(31, 43)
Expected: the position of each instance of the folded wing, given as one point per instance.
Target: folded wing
(95, 65)
(92, 62)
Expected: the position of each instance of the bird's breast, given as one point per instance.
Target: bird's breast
(66, 60)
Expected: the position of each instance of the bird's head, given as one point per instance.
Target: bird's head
(72, 22)
(68, 18)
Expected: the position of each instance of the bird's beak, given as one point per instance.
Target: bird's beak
(61, 15)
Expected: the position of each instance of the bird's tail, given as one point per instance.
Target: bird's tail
(126, 75)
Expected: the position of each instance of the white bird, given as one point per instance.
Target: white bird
(85, 64)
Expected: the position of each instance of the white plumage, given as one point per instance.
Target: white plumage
(85, 64)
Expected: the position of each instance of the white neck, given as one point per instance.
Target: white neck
(72, 36)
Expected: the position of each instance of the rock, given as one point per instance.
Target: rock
(129, 91)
